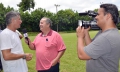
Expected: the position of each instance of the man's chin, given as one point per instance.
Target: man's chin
(41, 29)
(18, 27)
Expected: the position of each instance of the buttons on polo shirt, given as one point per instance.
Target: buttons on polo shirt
(46, 39)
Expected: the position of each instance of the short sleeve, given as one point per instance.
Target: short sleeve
(5, 42)
(18, 32)
(98, 47)
(60, 44)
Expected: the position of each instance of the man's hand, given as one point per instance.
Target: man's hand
(28, 56)
(27, 41)
(80, 32)
(54, 62)
(87, 30)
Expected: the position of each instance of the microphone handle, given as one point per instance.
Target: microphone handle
(27, 39)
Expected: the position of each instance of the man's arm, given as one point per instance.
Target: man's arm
(80, 44)
(87, 36)
(31, 46)
(60, 54)
(7, 55)
(80, 50)
(60, 48)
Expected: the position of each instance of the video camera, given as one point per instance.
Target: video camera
(92, 23)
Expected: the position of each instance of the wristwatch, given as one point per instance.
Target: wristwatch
(24, 57)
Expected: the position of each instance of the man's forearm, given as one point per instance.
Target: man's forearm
(80, 46)
(87, 39)
(31, 46)
(60, 55)
(54, 61)
(80, 49)
(11, 56)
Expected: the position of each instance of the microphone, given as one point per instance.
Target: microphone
(25, 34)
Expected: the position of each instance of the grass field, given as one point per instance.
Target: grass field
(69, 61)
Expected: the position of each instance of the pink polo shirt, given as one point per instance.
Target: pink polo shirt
(47, 48)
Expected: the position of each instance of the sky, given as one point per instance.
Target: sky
(75, 5)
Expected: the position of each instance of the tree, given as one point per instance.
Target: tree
(66, 20)
(26, 5)
(31, 21)
(3, 11)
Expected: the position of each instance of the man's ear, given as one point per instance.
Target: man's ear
(109, 16)
(48, 25)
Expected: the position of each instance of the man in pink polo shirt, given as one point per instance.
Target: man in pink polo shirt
(49, 47)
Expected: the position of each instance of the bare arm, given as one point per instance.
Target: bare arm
(7, 55)
(87, 36)
(87, 39)
(31, 46)
(80, 44)
(54, 62)
(80, 50)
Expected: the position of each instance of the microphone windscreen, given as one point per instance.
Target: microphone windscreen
(25, 32)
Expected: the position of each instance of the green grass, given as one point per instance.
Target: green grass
(69, 61)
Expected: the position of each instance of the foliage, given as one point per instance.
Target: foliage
(3, 11)
(65, 20)
(31, 20)
(26, 5)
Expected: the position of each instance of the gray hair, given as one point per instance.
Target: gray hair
(48, 21)
(9, 16)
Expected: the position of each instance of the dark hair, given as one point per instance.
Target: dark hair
(9, 16)
(113, 10)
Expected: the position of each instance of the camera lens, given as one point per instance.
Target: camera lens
(79, 22)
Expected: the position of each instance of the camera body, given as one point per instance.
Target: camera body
(87, 24)
(92, 23)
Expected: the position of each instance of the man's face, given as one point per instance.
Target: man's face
(101, 18)
(17, 22)
(43, 25)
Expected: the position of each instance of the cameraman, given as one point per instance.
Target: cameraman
(103, 52)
